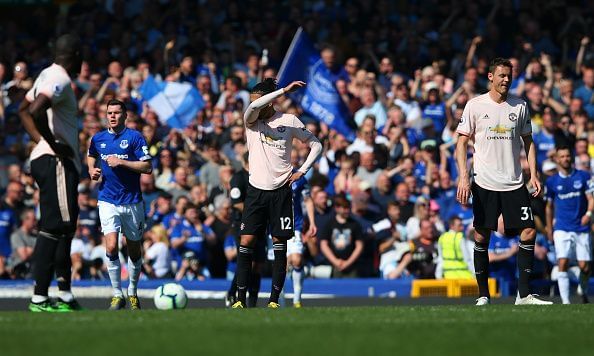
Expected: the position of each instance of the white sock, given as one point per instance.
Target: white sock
(38, 298)
(114, 269)
(134, 269)
(297, 276)
(563, 282)
(66, 296)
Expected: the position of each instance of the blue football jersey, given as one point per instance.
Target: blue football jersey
(568, 194)
(119, 185)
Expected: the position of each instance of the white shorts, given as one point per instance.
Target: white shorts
(295, 244)
(126, 219)
(567, 242)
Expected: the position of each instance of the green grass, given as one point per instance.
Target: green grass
(367, 331)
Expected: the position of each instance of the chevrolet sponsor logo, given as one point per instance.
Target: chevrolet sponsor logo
(501, 132)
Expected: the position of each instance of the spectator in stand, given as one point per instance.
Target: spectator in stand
(341, 240)
(424, 252)
(157, 257)
(22, 242)
(371, 106)
(586, 91)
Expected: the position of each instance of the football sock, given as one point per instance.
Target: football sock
(584, 280)
(43, 267)
(114, 269)
(297, 276)
(563, 282)
(63, 263)
(254, 289)
(481, 268)
(243, 272)
(279, 270)
(134, 268)
(525, 262)
(39, 298)
(66, 296)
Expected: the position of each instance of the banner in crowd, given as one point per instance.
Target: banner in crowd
(176, 104)
(320, 97)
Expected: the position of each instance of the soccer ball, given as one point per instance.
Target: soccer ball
(170, 296)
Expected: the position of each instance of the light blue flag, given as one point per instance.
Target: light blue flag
(320, 97)
(176, 104)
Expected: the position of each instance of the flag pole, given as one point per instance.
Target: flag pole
(281, 71)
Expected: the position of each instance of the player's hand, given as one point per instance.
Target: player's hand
(463, 193)
(62, 150)
(113, 161)
(535, 182)
(312, 231)
(585, 220)
(294, 86)
(95, 173)
(295, 177)
(585, 41)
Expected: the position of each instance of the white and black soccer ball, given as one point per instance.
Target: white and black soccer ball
(170, 296)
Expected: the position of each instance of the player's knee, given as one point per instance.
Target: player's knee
(482, 236)
(296, 261)
(584, 266)
(562, 265)
(529, 234)
(248, 240)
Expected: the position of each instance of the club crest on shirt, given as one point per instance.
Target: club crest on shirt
(124, 144)
(559, 187)
(57, 89)
(281, 129)
(577, 184)
(512, 117)
(103, 145)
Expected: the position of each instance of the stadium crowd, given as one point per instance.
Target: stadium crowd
(405, 70)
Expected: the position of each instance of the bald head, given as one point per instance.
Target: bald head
(67, 45)
(68, 54)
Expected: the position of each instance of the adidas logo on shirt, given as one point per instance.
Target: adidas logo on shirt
(486, 117)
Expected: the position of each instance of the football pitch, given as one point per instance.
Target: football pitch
(385, 330)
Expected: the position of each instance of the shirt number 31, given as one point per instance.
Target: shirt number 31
(526, 213)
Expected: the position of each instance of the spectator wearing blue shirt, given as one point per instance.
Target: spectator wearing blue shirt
(119, 156)
(8, 223)
(586, 92)
(174, 218)
(434, 108)
(502, 255)
(335, 72)
(545, 139)
(230, 247)
(188, 245)
(371, 106)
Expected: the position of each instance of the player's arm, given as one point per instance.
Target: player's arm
(530, 149)
(94, 171)
(315, 148)
(588, 215)
(253, 110)
(463, 193)
(135, 166)
(549, 214)
(34, 118)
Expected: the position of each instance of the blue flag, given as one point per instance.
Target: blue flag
(176, 104)
(320, 97)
